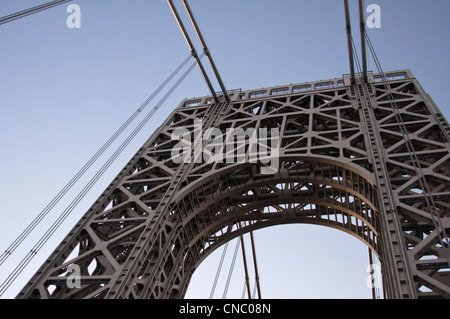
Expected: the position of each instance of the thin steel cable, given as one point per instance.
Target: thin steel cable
(244, 290)
(206, 49)
(16, 272)
(244, 260)
(230, 272)
(254, 291)
(27, 12)
(16, 243)
(255, 265)
(218, 271)
(355, 53)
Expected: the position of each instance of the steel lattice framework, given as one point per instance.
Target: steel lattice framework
(344, 162)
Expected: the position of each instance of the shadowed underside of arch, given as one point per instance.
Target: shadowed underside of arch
(240, 200)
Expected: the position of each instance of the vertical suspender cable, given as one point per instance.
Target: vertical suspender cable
(218, 271)
(230, 272)
(193, 50)
(247, 281)
(206, 50)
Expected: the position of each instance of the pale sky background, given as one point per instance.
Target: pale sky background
(64, 92)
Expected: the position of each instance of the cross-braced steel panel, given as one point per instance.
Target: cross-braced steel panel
(342, 161)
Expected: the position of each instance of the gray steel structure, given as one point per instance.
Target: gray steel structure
(345, 161)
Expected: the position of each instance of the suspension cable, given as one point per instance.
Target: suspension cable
(16, 272)
(27, 12)
(244, 259)
(206, 49)
(230, 272)
(218, 271)
(429, 200)
(193, 50)
(355, 53)
(255, 264)
(94, 158)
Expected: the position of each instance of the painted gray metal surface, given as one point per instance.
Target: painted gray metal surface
(343, 163)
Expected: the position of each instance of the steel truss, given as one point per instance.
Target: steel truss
(343, 163)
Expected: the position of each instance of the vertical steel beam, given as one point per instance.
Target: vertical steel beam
(206, 50)
(193, 50)
(349, 42)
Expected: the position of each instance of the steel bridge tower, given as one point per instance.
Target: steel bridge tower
(344, 161)
(368, 154)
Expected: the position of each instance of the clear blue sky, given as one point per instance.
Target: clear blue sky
(64, 92)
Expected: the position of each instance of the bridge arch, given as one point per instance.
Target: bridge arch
(293, 261)
(237, 199)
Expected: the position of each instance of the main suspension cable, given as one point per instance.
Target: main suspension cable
(27, 12)
(16, 272)
(94, 158)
